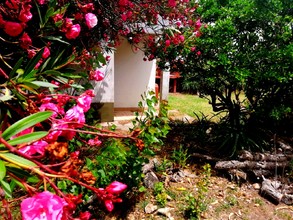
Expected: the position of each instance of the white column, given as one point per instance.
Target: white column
(164, 85)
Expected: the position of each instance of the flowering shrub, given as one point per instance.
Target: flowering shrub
(40, 41)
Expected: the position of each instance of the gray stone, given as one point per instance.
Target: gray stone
(150, 165)
(150, 179)
(166, 212)
(150, 208)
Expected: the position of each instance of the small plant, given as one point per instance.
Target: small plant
(180, 156)
(230, 201)
(198, 204)
(148, 125)
(258, 201)
(160, 193)
(163, 165)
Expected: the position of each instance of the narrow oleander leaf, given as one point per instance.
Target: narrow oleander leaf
(18, 160)
(27, 138)
(25, 123)
(2, 170)
(6, 187)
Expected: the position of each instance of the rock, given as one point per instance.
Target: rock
(150, 208)
(256, 186)
(150, 179)
(166, 212)
(150, 166)
(287, 199)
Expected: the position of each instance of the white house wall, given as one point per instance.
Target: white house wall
(133, 76)
(104, 90)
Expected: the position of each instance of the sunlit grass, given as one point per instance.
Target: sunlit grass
(190, 104)
(193, 105)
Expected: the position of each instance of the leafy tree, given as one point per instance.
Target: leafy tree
(245, 48)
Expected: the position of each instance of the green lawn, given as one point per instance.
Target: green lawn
(189, 104)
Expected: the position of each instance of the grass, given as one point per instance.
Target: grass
(190, 104)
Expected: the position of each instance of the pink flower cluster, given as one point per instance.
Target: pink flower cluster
(46, 205)
(15, 22)
(63, 122)
(71, 30)
(110, 194)
(71, 119)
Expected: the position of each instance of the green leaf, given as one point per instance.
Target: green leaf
(19, 172)
(33, 179)
(49, 14)
(45, 84)
(40, 16)
(51, 72)
(31, 85)
(76, 86)
(25, 123)
(2, 170)
(6, 188)
(33, 62)
(101, 59)
(27, 138)
(20, 161)
(56, 39)
(15, 183)
(16, 67)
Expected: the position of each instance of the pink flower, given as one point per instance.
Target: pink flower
(57, 17)
(108, 58)
(109, 205)
(25, 41)
(25, 15)
(37, 147)
(167, 43)
(181, 38)
(84, 215)
(94, 142)
(12, 4)
(75, 114)
(44, 205)
(97, 75)
(55, 132)
(84, 101)
(73, 31)
(31, 53)
(198, 53)
(91, 20)
(13, 29)
(51, 106)
(38, 64)
(197, 24)
(123, 3)
(88, 7)
(116, 187)
(41, 2)
(46, 53)
(172, 3)
(124, 17)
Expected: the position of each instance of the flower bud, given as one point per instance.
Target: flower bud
(116, 187)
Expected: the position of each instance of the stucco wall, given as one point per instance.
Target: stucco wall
(104, 90)
(133, 76)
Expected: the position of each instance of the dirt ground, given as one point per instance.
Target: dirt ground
(225, 199)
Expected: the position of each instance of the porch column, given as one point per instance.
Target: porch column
(164, 85)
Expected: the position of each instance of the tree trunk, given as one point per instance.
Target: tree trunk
(252, 165)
